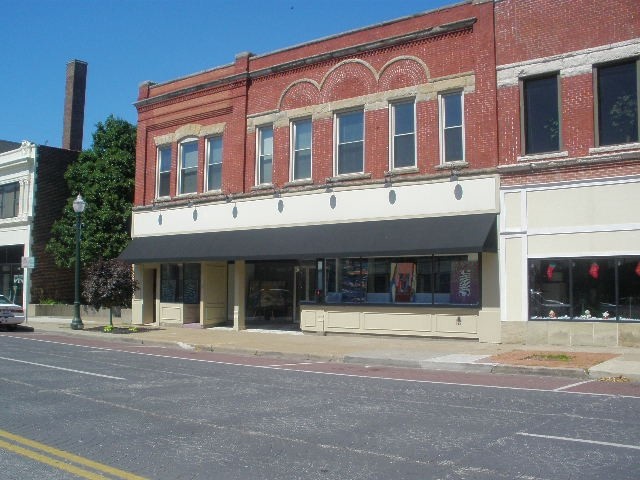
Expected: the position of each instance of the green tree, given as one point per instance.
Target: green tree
(104, 176)
(109, 283)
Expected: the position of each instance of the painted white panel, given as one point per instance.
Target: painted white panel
(170, 313)
(308, 318)
(585, 244)
(513, 285)
(584, 206)
(511, 212)
(450, 324)
(343, 320)
(397, 322)
(14, 236)
(337, 206)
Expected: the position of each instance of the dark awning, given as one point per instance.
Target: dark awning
(414, 236)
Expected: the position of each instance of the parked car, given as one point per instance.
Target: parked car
(11, 315)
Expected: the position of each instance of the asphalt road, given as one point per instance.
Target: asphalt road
(85, 409)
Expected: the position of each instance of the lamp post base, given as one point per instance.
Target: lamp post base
(76, 322)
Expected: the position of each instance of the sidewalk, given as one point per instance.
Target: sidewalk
(413, 352)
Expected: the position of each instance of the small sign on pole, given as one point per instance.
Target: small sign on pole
(28, 262)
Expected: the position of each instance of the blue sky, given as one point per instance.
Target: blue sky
(126, 42)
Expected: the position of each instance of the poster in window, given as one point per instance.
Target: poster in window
(403, 277)
(465, 283)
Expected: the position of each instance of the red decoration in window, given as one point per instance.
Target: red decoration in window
(594, 270)
(638, 269)
(550, 269)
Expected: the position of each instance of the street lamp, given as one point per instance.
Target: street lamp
(78, 206)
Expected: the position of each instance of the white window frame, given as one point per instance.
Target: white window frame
(181, 171)
(159, 172)
(260, 154)
(294, 149)
(393, 135)
(442, 117)
(209, 163)
(336, 142)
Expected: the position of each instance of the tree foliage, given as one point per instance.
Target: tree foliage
(104, 176)
(109, 283)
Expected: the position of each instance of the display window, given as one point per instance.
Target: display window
(585, 289)
(430, 280)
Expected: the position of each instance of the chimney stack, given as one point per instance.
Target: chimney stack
(74, 105)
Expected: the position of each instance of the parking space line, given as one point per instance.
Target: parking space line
(62, 368)
(580, 440)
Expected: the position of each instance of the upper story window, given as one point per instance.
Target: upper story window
(617, 116)
(403, 134)
(164, 171)
(214, 163)
(350, 142)
(541, 115)
(9, 197)
(301, 149)
(188, 179)
(264, 162)
(451, 127)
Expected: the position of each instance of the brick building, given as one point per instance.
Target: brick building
(358, 183)
(570, 170)
(33, 192)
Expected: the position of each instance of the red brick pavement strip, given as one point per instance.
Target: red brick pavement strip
(489, 380)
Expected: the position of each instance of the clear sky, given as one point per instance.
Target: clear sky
(126, 42)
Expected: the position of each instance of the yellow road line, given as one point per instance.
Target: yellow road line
(51, 451)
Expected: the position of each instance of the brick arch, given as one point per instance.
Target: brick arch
(348, 79)
(301, 93)
(403, 72)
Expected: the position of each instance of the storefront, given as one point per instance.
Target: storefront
(389, 263)
(571, 275)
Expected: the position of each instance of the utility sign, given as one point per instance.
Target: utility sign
(28, 262)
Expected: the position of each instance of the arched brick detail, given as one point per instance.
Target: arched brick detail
(403, 72)
(302, 93)
(348, 79)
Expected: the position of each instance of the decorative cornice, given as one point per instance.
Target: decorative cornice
(241, 79)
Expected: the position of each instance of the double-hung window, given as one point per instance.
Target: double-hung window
(265, 155)
(301, 149)
(188, 181)
(350, 142)
(164, 171)
(403, 135)
(214, 163)
(451, 127)
(541, 115)
(9, 196)
(617, 116)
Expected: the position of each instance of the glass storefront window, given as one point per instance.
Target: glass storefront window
(270, 291)
(180, 283)
(431, 280)
(585, 289)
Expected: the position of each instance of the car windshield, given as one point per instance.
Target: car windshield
(5, 301)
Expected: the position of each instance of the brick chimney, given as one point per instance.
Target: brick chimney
(74, 105)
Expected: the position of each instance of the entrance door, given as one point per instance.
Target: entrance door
(304, 286)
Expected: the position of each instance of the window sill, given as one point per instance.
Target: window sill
(615, 148)
(543, 156)
(452, 165)
(262, 187)
(349, 176)
(299, 183)
(401, 171)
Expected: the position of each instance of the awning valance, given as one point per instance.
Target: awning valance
(403, 237)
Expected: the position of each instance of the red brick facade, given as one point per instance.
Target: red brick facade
(570, 38)
(417, 57)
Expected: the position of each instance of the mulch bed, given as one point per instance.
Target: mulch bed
(551, 359)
